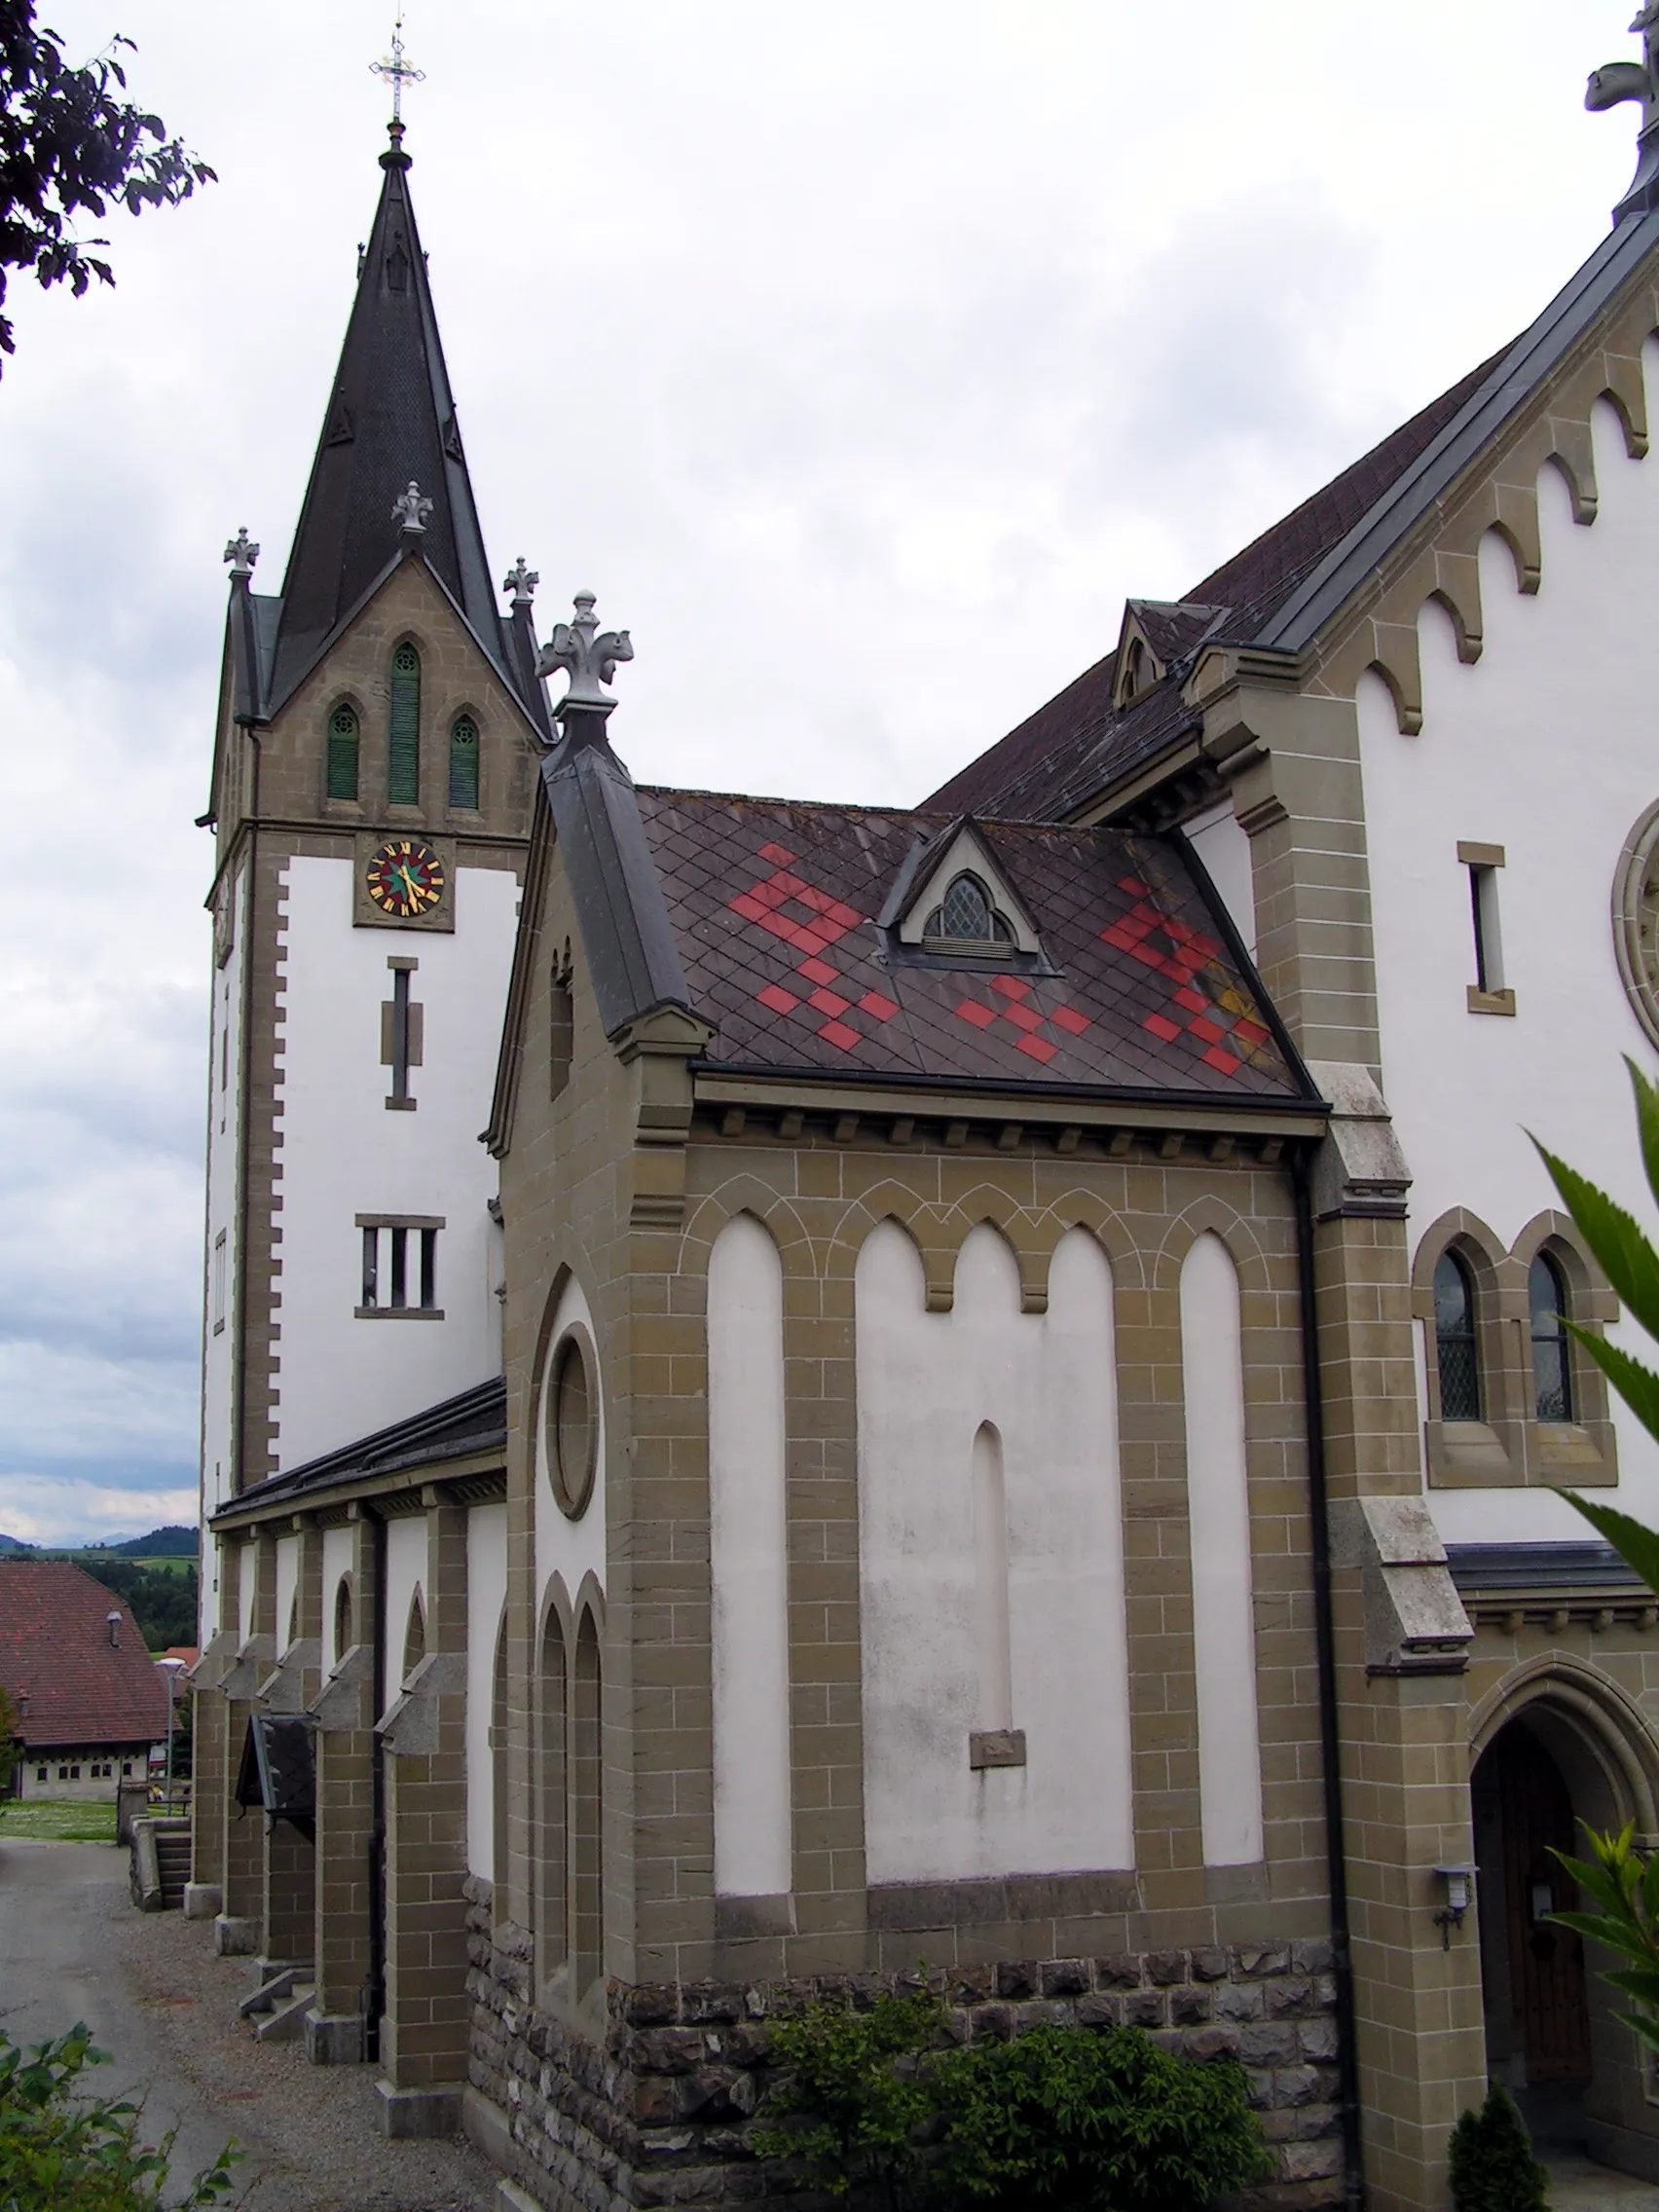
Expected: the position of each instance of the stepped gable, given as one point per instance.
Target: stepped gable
(71, 1684)
(1137, 986)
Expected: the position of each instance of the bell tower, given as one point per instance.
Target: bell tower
(378, 728)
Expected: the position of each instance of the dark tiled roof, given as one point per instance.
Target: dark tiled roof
(471, 1422)
(58, 1661)
(1055, 761)
(773, 908)
(1498, 1568)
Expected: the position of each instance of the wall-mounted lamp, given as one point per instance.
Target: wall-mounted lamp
(1459, 1883)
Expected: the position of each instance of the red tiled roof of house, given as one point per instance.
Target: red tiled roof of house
(71, 1684)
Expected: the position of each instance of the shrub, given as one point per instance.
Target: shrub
(1100, 2120)
(853, 2099)
(61, 2151)
(1491, 2166)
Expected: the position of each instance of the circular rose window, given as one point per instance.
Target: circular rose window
(570, 1427)
(1635, 920)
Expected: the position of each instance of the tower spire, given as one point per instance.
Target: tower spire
(389, 423)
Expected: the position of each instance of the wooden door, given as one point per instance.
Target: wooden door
(1546, 1963)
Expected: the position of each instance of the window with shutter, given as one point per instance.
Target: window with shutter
(343, 753)
(464, 763)
(403, 765)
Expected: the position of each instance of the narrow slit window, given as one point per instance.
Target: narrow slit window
(428, 1268)
(403, 762)
(371, 1267)
(1489, 993)
(220, 1272)
(1552, 1373)
(399, 1266)
(402, 1034)
(1456, 1350)
(464, 763)
(343, 753)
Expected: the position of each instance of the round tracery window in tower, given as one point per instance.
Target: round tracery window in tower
(1636, 921)
(570, 1427)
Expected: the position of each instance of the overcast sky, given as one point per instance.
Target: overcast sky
(862, 358)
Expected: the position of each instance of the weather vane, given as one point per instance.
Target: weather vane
(400, 72)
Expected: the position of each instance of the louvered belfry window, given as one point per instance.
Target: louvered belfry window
(464, 763)
(1455, 1340)
(403, 767)
(343, 753)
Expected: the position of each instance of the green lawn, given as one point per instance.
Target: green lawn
(58, 1820)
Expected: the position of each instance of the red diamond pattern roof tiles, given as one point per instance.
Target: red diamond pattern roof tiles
(773, 906)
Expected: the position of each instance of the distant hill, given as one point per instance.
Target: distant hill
(174, 1541)
(14, 1544)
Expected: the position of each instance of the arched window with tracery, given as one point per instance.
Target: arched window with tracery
(967, 915)
(464, 763)
(342, 733)
(403, 751)
(1455, 1352)
(1552, 1370)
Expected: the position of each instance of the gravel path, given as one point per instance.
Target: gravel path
(72, 1946)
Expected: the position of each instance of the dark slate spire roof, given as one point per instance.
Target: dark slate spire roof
(391, 419)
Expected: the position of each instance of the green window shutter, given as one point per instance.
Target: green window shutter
(464, 763)
(403, 767)
(343, 753)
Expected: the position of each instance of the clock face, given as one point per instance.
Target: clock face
(405, 878)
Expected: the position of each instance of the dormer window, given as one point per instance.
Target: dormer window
(1137, 668)
(966, 915)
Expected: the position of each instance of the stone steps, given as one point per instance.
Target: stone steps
(276, 2009)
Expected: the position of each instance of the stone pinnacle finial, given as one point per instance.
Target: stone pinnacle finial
(521, 582)
(588, 655)
(1621, 81)
(241, 553)
(411, 512)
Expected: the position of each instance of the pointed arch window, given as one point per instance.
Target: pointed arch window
(342, 733)
(1454, 1344)
(403, 762)
(967, 915)
(1552, 1372)
(464, 763)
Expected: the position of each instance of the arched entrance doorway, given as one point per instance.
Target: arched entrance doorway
(1560, 1749)
(1535, 1990)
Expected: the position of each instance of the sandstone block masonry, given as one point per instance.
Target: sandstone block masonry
(657, 2114)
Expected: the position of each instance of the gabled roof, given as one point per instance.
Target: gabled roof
(1139, 987)
(73, 1687)
(1286, 586)
(391, 420)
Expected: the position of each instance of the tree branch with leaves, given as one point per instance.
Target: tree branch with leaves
(72, 146)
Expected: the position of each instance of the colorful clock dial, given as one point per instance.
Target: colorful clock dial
(405, 878)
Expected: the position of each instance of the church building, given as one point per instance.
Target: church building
(990, 1402)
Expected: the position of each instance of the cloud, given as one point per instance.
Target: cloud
(65, 1509)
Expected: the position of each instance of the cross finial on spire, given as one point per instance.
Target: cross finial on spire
(241, 553)
(588, 655)
(410, 510)
(1623, 81)
(521, 582)
(400, 72)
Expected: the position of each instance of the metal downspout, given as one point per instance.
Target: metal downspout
(1336, 1846)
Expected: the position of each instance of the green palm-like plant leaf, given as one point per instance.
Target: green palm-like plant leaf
(1628, 1260)
(1636, 1545)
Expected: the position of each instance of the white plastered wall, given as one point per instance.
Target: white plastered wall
(405, 1574)
(218, 1335)
(344, 1153)
(486, 1603)
(749, 1563)
(1544, 746)
(1224, 849)
(287, 1583)
(1048, 1383)
(1218, 1520)
(336, 1566)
